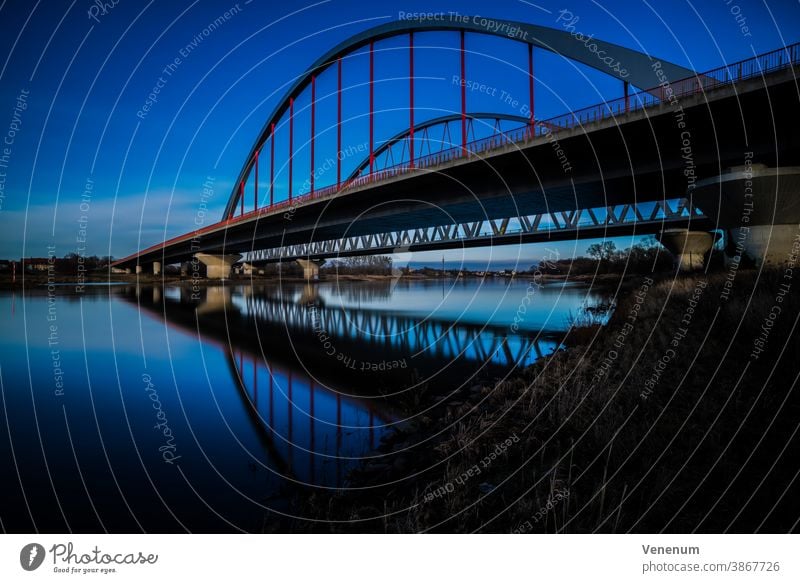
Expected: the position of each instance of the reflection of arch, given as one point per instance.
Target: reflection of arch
(229, 338)
(400, 136)
(311, 423)
(637, 67)
(264, 434)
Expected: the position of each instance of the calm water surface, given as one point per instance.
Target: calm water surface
(134, 408)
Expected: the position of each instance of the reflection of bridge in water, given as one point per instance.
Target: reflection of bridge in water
(397, 336)
(310, 432)
(316, 379)
(314, 434)
(314, 414)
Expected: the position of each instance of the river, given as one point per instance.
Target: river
(158, 408)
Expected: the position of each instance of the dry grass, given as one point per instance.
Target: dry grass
(687, 457)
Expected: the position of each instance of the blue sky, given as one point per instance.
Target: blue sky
(82, 82)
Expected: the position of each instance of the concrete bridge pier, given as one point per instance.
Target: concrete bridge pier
(759, 209)
(218, 266)
(688, 247)
(193, 268)
(156, 268)
(770, 245)
(138, 269)
(310, 268)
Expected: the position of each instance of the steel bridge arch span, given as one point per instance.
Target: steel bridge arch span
(400, 136)
(638, 67)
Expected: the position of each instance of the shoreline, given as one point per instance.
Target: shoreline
(33, 281)
(568, 444)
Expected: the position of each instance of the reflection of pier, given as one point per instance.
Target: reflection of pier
(399, 334)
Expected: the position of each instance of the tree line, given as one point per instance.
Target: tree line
(646, 256)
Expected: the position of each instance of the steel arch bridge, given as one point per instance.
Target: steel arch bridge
(482, 178)
(637, 72)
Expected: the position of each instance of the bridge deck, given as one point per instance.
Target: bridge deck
(614, 158)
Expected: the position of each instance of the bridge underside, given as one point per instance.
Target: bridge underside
(620, 221)
(647, 155)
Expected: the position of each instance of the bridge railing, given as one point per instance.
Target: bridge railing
(735, 72)
(636, 101)
(746, 69)
(740, 71)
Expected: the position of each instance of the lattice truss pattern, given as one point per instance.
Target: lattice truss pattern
(445, 340)
(559, 225)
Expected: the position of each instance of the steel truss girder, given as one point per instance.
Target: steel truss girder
(551, 225)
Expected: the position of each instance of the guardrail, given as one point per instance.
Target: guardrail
(636, 101)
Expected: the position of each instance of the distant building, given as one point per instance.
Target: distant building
(35, 263)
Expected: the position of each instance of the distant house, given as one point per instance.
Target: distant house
(35, 263)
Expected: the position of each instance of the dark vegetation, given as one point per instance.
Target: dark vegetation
(69, 264)
(603, 258)
(363, 265)
(599, 441)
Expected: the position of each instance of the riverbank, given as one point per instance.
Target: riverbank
(34, 280)
(37, 280)
(677, 416)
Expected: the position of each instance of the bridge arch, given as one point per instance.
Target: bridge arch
(421, 127)
(636, 71)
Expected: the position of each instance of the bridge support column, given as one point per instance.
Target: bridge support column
(310, 268)
(768, 245)
(688, 247)
(138, 269)
(218, 266)
(194, 268)
(759, 209)
(156, 268)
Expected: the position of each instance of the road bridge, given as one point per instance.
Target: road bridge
(626, 166)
